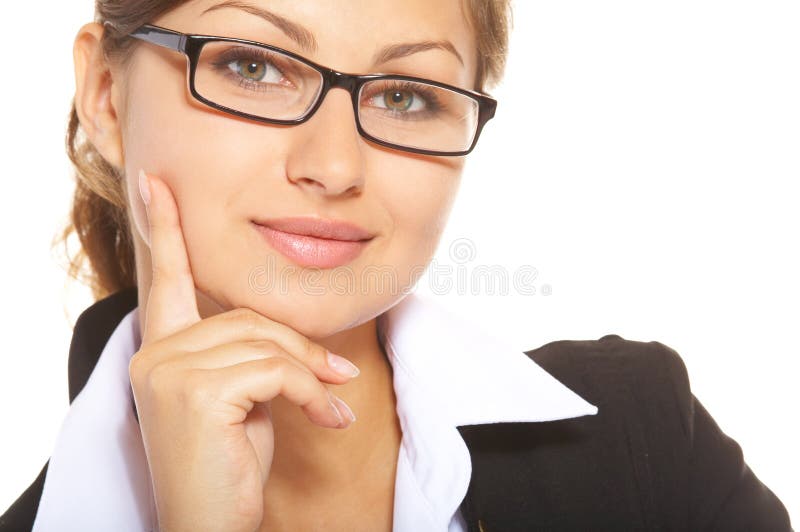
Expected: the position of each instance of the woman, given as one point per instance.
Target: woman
(236, 270)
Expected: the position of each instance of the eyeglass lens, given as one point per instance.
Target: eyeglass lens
(265, 83)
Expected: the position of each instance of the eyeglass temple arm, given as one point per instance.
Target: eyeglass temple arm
(161, 36)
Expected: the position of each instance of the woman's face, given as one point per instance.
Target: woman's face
(226, 172)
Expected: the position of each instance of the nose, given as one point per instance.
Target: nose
(326, 152)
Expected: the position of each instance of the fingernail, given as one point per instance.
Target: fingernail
(342, 366)
(144, 188)
(343, 408)
(335, 409)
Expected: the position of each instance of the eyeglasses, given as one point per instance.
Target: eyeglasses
(268, 84)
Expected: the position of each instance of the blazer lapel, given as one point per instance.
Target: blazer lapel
(91, 333)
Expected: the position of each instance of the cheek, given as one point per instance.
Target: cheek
(420, 207)
(205, 157)
(178, 138)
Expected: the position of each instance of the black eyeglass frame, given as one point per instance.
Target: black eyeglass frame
(191, 44)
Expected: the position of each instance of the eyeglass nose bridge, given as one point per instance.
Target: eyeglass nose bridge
(349, 82)
(332, 79)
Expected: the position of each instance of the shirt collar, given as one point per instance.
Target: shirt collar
(450, 372)
(476, 376)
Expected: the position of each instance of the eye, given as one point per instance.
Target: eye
(401, 100)
(253, 69)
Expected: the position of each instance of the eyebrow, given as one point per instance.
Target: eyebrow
(305, 39)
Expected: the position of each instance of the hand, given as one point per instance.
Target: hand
(202, 389)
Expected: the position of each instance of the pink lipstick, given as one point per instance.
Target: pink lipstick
(314, 242)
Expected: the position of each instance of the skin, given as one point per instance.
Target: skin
(211, 174)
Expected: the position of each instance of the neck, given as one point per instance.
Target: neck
(309, 455)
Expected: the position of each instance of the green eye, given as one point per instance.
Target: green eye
(252, 70)
(398, 100)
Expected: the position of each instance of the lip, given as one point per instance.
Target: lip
(317, 227)
(314, 242)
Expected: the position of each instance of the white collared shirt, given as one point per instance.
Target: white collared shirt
(448, 372)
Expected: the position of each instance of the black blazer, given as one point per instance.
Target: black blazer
(651, 459)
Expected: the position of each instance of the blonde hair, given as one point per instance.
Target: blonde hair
(99, 213)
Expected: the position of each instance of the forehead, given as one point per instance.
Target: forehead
(341, 33)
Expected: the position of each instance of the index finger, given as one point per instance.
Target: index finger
(171, 303)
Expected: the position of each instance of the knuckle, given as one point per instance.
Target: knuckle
(278, 366)
(135, 366)
(247, 319)
(266, 346)
(159, 377)
(139, 367)
(194, 389)
(315, 352)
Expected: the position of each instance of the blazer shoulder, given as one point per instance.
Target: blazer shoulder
(610, 349)
(644, 399)
(621, 469)
(611, 365)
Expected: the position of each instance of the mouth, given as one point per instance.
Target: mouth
(314, 242)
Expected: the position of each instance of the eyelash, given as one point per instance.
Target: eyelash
(433, 104)
(239, 53)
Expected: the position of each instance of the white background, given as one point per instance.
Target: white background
(645, 159)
